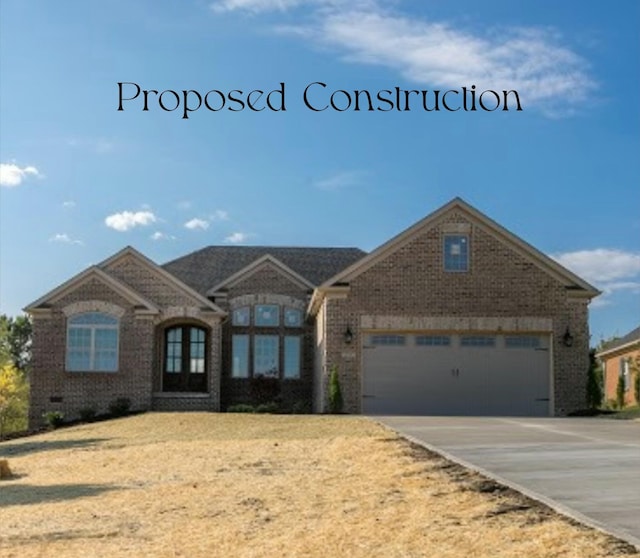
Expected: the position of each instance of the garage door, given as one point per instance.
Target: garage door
(457, 374)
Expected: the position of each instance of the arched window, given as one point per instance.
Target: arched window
(92, 343)
(185, 362)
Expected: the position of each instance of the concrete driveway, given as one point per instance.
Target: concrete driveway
(584, 467)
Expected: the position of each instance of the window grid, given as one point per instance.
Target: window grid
(522, 342)
(92, 343)
(433, 340)
(456, 253)
(477, 341)
(388, 340)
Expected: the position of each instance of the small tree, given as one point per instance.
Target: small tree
(14, 395)
(335, 393)
(635, 366)
(620, 389)
(594, 382)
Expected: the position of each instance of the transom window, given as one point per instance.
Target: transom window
(267, 315)
(292, 317)
(241, 316)
(456, 252)
(92, 343)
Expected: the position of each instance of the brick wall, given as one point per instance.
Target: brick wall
(501, 284)
(267, 285)
(612, 366)
(140, 347)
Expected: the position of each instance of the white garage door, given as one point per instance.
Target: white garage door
(456, 374)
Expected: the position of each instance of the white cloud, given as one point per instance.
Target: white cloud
(184, 205)
(161, 236)
(339, 181)
(439, 54)
(220, 215)
(254, 5)
(609, 270)
(237, 238)
(69, 204)
(126, 220)
(196, 223)
(12, 175)
(64, 238)
(601, 265)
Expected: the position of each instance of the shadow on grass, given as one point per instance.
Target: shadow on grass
(13, 449)
(28, 494)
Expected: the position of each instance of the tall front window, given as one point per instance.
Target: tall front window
(456, 252)
(92, 343)
(185, 358)
(266, 341)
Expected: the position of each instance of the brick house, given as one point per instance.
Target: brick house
(455, 315)
(620, 360)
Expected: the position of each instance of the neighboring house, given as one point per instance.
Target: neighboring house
(621, 360)
(455, 315)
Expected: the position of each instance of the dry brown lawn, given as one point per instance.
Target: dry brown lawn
(198, 484)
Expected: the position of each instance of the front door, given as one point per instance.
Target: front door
(185, 366)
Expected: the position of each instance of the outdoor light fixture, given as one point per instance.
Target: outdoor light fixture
(348, 336)
(567, 338)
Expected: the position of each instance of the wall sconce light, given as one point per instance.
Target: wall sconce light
(567, 338)
(348, 336)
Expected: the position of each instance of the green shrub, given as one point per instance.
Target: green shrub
(87, 414)
(54, 419)
(620, 392)
(336, 402)
(241, 408)
(120, 407)
(594, 382)
(271, 407)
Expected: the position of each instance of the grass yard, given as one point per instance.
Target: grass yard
(199, 484)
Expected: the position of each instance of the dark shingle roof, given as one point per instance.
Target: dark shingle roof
(210, 266)
(628, 338)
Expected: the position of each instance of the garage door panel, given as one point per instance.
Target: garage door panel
(470, 377)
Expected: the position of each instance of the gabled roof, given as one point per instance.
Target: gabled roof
(544, 262)
(254, 267)
(629, 340)
(93, 272)
(213, 265)
(159, 271)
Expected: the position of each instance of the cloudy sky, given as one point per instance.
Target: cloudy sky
(79, 179)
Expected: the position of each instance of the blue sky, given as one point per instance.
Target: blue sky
(80, 179)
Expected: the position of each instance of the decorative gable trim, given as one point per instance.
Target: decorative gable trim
(578, 286)
(143, 306)
(254, 267)
(129, 251)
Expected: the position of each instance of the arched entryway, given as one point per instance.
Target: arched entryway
(184, 358)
